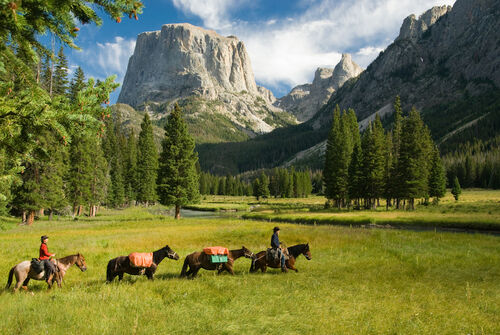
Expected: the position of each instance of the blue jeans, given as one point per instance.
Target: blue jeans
(282, 258)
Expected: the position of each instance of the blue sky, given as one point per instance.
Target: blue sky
(286, 39)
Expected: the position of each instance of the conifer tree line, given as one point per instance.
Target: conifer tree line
(278, 182)
(475, 165)
(398, 165)
(50, 129)
(98, 162)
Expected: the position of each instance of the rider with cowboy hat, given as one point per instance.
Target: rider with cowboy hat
(276, 245)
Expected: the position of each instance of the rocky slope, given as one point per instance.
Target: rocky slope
(445, 57)
(210, 75)
(304, 101)
(446, 63)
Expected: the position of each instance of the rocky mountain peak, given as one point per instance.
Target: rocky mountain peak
(413, 28)
(209, 75)
(344, 70)
(305, 100)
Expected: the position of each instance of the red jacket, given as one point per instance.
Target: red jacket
(44, 252)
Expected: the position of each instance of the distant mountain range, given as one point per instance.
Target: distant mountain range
(446, 63)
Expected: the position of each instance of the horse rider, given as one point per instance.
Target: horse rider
(49, 267)
(276, 245)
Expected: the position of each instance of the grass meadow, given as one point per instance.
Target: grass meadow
(359, 281)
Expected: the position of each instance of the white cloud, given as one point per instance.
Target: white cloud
(113, 56)
(214, 13)
(109, 58)
(288, 50)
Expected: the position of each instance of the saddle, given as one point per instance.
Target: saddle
(141, 260)
(273, 255)
(37, 265)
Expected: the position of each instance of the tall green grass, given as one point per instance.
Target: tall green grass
(358, 282)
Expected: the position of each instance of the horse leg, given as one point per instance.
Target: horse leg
(20, 279)
(194, 272)
(25, 283)
(263, 268)
(150, 273)
(50, 280)
(120, 276)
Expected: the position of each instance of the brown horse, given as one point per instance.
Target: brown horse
(24, 273)
(198, 260)
(120, 265)
(260, 261)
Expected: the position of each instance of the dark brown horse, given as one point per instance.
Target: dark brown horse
(198, 260)
(260, 261)
(24, 273)
(120, 265)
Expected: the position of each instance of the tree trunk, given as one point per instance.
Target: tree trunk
(51, 212)
(31, 218)
(80, 210)
(177, 212)
(24, 216)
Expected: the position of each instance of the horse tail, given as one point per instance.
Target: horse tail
(109, 271)
(9, 281)
(184, 267)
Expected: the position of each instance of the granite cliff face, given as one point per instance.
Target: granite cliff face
(304, 101)
(447, 56)
(446, 63)
(190, 65)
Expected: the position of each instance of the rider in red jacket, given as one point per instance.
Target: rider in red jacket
(49, 267)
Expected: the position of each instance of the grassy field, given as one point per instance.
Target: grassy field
(359, 281)
(476, 210)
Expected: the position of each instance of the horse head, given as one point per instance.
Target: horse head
(247, 253)
(306, 252)
(170, 253)
(80, 262)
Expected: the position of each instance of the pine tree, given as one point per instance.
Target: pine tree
(113, 152)
(46, 74)
(147, 164)
(99, 181)
(131, 168)
(337, 158)
(413, 166)
(77, 84)
(80, 172)
(437, 176)
(263, 186)
(54, 170)
(373, 147)
(60, 81)
(177, 177)
(395, 185)
(456, 190)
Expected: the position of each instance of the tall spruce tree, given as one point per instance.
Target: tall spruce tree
(337, 158)
(80, 172)
(413, 164)
(131, 168)
(456, 190)
(113, 152)
(77, 84)
(437, 176)
(60, 81)
(373, 163)
(395, 185)
(147, 164)
(177, 176)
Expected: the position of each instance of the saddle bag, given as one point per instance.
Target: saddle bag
(37, 265)
(141, 260)
(217, 254)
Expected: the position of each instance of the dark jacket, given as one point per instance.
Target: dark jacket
(275, 241)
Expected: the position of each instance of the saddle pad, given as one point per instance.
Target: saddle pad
(141, 260)
(216, 251)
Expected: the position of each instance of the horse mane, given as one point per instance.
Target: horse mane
(296, 249)
(67, 258)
